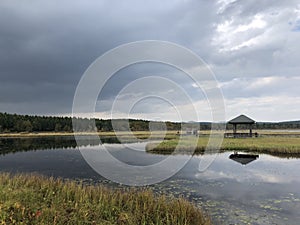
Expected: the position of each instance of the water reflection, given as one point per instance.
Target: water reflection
(243, 159)
(13, 145)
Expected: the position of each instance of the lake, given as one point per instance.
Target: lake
(264, 191)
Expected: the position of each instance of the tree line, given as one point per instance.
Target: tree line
(28, 123)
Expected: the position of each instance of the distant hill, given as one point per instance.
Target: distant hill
(279, 125)
(26, 123)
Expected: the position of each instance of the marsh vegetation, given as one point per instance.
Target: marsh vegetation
(29, 199)
(281, 145)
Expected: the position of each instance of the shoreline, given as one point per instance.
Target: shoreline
(287, 132)
(101, 134)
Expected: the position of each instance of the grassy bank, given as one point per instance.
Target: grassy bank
(27, 199)
(122, 134)
(171, 134)
(289, 146)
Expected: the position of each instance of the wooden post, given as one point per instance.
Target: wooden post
(234, 130)
(250, 130)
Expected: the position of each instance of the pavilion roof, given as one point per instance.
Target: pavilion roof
(242, 119)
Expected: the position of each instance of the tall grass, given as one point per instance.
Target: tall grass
(29, 199)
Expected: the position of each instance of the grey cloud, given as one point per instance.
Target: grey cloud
(42, 43)
(45, 46)
(261, 87)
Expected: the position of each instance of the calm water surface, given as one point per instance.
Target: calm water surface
(265, 191)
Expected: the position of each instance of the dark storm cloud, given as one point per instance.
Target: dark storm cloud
(45, 46)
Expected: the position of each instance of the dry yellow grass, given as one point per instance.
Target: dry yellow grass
(111, 133)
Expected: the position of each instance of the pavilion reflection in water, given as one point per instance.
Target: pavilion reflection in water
(243, 159)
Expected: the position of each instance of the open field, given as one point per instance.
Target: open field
(28, 199)
(143, 134)
(289, 146)
(123, 134)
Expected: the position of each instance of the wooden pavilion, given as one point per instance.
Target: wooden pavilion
(241, 120)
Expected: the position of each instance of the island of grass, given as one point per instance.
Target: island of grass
(288, 146)
(29, 199)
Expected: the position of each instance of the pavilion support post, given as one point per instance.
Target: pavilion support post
(234, 130)
(250, 130)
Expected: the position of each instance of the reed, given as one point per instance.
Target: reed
(33, 199)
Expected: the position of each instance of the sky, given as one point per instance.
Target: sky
(251, 46)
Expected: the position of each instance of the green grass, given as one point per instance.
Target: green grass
(289, 146)
(29, 199)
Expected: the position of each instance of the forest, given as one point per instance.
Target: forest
(28, 123)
